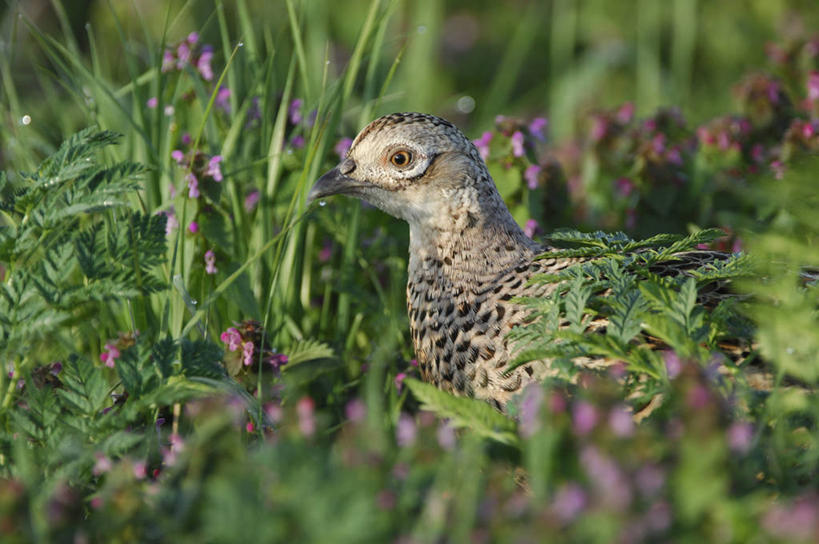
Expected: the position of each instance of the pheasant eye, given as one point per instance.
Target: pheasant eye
(401, 158)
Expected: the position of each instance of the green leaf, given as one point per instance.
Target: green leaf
(463, 412)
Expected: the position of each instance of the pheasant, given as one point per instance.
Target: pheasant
(469, 260)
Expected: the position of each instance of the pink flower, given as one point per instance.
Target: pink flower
(232, 338)
(203, 63)
(405, 431)
(599, 129)
(277, 359)
(584, 417)
(342, 147)
(102, 465)
(536, 128)
(482, 144)
(222, 100)
(621, 422)
(193, 185)
(213, 169)
(186, 138)
(251, 200)
(530, 228)
(623, 187)
(192, 38)
(183, 55)
(530, 409)
(673, 365)
(152, 102)
(399, 380)
(446, 436)
(210, 262)
(570, 500)
(626, 113)
(326, 252)
(531, 176)
(249, 427)
(305, 410)
(740, 435)
(297, 141)
(193, 227)
(778, 169)
(813, 86)
(247, 353)
(517, 143)
(178, 156)
(168, 61)
(110, 355)
(356, 411)
(140, 470)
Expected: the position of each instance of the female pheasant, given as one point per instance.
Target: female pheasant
(468, 258)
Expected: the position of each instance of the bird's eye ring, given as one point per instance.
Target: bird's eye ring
(401, 158)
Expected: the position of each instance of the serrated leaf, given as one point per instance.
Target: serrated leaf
(464, 412)
(307, 350)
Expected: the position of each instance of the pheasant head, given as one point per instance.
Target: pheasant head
(422, 169)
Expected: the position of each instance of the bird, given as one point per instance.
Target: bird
(469, 260)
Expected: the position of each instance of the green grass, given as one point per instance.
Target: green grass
(181, 441)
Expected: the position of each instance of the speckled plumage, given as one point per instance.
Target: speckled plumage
(468, 257)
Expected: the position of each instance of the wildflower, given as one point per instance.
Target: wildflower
(399, 380)
(531, 176)
(178, 156)
(623, 187)
(222, 100)
(778, 169)
(171, 453)
(305, 410)
(674, 157)
(96, 502)
(168, 61)
(517, 143)
(213, 169)
(192, 38)
(102, 465)
(530, 409)
(531, 228)
(356, 411)
(813, 86)
(650, 480)
(273, 412)
(294, 111)
(247, 353)
(570, 500)
(584, 418)
(186, 138)
(251, 200)
(795, 522)
(446, 436)
(232, 338)
(277, 359)
(536, 128)
(110, 355)
(203, 63)
(193, 227)
(183, 55)
(620, 422)
(406, 431)
(342, 147)
(482, 144)
(698, 396)
(152, 102)
(414, 362)
(673, 365)
(140, 470)
(625, 113)
(607, 478)
(170, 222)
(249, 427)
(599, 128)
(326, 251)
(740, 434)
(297, 141)
(210, 262)
(631, 218)
(193, 185)
(658, 143)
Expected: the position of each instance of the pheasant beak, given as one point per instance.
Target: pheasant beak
(335, 182)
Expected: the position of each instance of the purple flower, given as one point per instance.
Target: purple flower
(674, 157)
(356, 410)
(294, 111)
(740, 435)
(277, 360)
(530, 409)
(252, 199)
(232, 338)
(193, 37)
(584, 417)
(625, 113)
(778, 169)
(621, 422)
(698, 396)
(446, 436)
(405, 431)
(482, 144)
(213, 169)
(399, 380)
(171, 222)
(168, 61)
(517, 143)
(623, 187)
(183, 55)
(110, 355)
(607, 478)
(222, 100)
(673, 365)
(531, 176)
(569, 502)
(152, 102)
(305, 409)
(297, 141)
(186, 138)
(599, 129)
(813, 86)
(342, 147)
(658, 143)
(102, 465)
(193, 227)
(178, 156)
(795, 522)
(530, 228)
(247, 353)
(140, 470)
(210, 262)
(193, 185)
(536, 128)
(203, 63)
(326, 252)
(649, 480)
